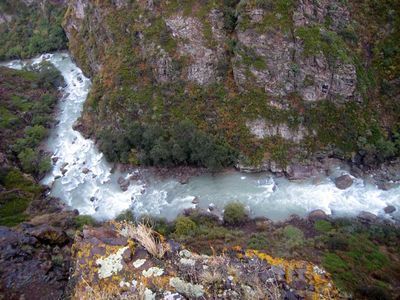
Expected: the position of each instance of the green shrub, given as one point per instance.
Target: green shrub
(126, 215)
(337, 242)
(322, 226)
(12, 209)
(257, 241)
(83, 220)
(184, 226)
(33, 162)
(333, 263)
(293, 236)
(33, 29)
(235, 213)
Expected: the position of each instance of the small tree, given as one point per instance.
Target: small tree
(235, 213)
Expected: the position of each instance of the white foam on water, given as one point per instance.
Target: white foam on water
(97, 193)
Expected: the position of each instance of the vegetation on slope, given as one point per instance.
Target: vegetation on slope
(361, 256)
(27, 101)
(125, 86)
(32, 29)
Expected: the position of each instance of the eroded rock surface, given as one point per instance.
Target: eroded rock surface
(181, 274)
(35, 257)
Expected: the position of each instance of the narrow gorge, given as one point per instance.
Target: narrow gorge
(199, 149)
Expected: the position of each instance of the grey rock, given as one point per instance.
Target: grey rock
(317, 214)
(261, 130)
(389, 209)
(343, 182)
(367, 217)
(189, 290)
(300, 172)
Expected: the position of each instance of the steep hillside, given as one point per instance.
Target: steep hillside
(35, 255)
(31, 27)
(267, 82)
(27, 101)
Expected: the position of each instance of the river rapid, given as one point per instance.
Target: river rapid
(84, 180)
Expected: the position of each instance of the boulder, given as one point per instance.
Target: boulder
(300, 172)
(389, 209)
(49, 234)
(367, 217)
(343, 182)
(317, 214)
(123, 183)
(385, 186)
(196, 200)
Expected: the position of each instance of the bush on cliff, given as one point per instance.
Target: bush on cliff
(235, 213)
(184, 226)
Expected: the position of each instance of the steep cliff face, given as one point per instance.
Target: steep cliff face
(275, 80)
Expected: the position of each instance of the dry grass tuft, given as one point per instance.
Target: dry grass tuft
(148, 238)
(211, 277)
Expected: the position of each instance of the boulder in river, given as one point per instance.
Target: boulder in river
(389, 209)
(343, 182)
(85, 170)
(123, 183)
(367, 217)
(196, 200)
(385, 186)
(300, 172)
(316, 215)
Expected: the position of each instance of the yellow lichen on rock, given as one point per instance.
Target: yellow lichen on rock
(111, 265)
(319, 278)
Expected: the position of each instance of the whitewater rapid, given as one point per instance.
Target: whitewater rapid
(83, 179)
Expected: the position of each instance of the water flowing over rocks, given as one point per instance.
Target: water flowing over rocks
(104, 191)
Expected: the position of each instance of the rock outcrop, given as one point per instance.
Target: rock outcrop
(35, 257)
(283, 77)
(110, 262)
(281, 65)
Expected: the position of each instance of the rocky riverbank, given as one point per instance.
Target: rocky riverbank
(115, 258)
(116, 261)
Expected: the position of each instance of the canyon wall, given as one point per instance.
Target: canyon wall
(278, 81)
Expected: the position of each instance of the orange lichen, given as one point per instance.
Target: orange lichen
(324, 288)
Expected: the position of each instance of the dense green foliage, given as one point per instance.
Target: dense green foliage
(19, 191)
(83, 220)
(154, 145)
(28, 99)
(234, 213)
(184, 226)
(32, 29)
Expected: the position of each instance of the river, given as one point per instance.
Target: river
(97, 192)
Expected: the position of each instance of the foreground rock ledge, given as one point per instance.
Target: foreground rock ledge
(109, 264)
